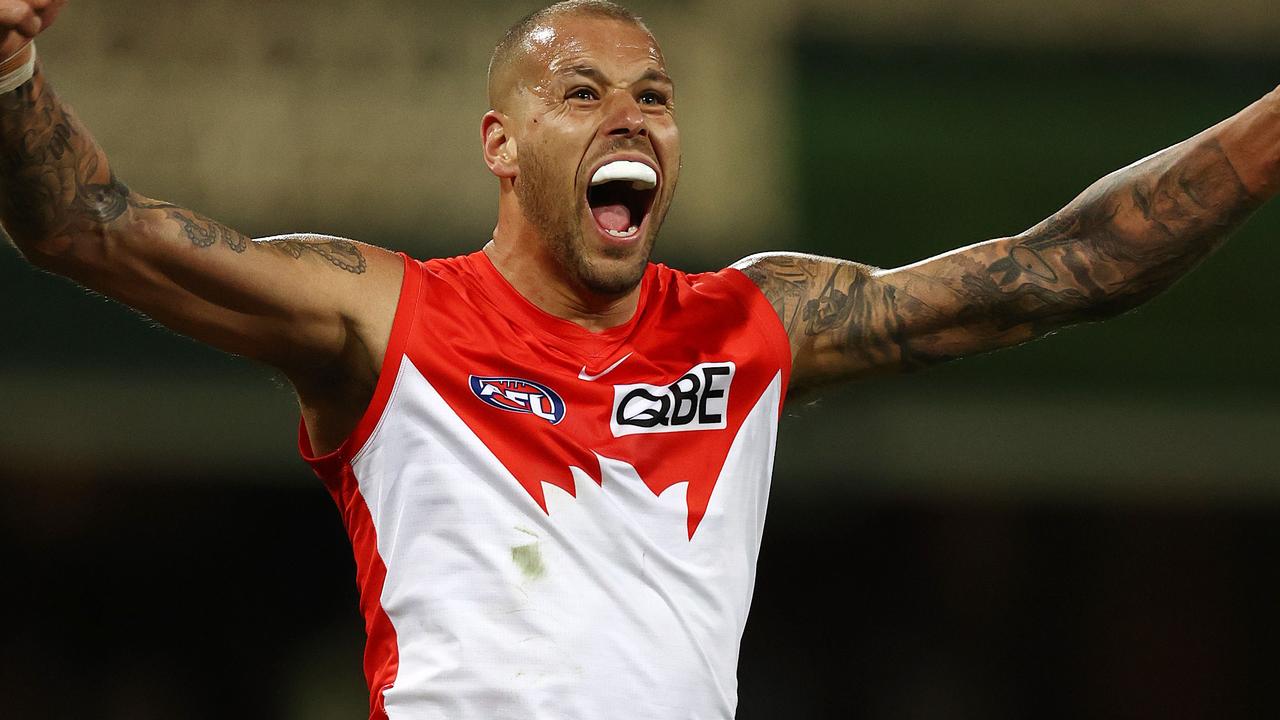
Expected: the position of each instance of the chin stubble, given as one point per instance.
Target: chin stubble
(564, 233)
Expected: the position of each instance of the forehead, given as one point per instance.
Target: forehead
(563, 45)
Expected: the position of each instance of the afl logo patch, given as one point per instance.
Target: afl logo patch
(519, 396)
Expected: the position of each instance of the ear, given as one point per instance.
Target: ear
(499, 147)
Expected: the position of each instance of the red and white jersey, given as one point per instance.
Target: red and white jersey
(553, 523)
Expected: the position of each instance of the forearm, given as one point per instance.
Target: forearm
(55, 182)
(1251, 140)
(67, 211)
(1135, 232)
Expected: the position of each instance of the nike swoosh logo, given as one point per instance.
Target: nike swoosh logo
(582, 374)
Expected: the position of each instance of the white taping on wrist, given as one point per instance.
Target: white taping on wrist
(13, 80)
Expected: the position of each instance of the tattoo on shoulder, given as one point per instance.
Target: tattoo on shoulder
(342, 254)
(811, 295)
(839, 304)
(785, 281)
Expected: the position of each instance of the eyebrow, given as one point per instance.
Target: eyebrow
(591, 73)
(656, 76)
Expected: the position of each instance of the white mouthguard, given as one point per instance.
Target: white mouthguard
(642, 176)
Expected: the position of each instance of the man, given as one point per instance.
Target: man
(552, 456)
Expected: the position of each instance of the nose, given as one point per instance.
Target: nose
(623, 116)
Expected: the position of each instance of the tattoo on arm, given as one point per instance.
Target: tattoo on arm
(786, 280)
(203, 232)
(342, 254)
(1129, 236)
(55, 181)
(830, 306)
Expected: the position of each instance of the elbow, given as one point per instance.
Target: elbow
(45, 252)
(63, 252)
(1116, 301)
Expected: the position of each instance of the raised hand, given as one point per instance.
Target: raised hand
(22, 20)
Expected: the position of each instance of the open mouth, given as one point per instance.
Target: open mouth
(620, 196)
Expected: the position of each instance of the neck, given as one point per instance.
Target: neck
(538, 276)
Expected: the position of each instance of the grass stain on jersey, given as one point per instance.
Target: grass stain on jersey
(528, 558)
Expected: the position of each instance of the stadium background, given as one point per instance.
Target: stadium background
(1084, 527)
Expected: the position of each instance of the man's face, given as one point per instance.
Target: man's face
(593, 92)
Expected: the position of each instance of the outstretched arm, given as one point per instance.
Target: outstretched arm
(1126, 238)
(317, 307)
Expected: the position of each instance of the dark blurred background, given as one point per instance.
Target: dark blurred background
(1082, 527)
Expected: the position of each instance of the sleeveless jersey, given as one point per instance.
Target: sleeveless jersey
(553, 523)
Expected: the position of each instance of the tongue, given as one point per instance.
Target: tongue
(613, 217)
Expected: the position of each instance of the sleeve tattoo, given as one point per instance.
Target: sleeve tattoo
(1125, 239)
(55, 182)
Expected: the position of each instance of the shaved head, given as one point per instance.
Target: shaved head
(515, 46)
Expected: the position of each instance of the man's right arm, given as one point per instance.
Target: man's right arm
(319, 308)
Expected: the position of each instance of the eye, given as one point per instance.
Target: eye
(582, 93)
(653, 97)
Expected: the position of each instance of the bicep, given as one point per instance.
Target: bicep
(298, 302)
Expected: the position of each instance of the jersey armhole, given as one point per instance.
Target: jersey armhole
(767, 322)
(330, 464)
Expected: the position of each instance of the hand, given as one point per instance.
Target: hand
(22, 20)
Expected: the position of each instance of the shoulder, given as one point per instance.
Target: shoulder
(772, 269)
(464, 264)
(375, 275)
(739, 279)
(816, 300)
(786, 280)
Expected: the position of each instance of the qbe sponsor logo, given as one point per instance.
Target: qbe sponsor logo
(699, 400)
(519, 396)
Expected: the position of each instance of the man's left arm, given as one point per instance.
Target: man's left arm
(1123, 240)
